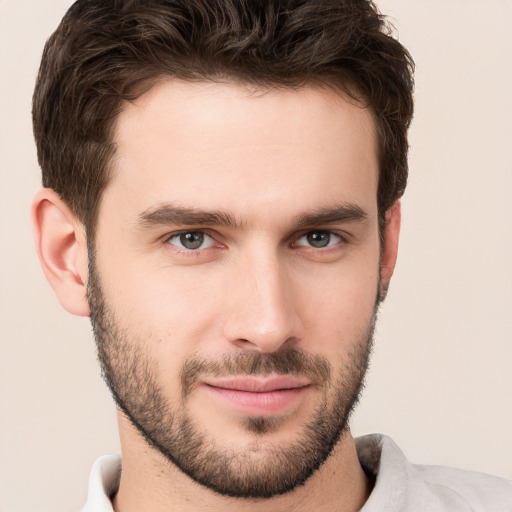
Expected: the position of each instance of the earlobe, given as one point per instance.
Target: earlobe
(389, 247)
(62, 250)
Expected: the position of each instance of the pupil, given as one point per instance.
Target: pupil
(319, 239)
(192, 240)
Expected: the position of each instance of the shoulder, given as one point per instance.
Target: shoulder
(479, 491)
(402, 486)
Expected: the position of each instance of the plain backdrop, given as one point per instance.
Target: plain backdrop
(441, 380)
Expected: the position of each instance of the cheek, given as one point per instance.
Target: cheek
(168, 310)
(339, 305)
(168, 322)
(159, 297)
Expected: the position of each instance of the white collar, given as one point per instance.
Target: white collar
(103, 483)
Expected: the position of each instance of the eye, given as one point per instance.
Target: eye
(191, 240)
(319, 239)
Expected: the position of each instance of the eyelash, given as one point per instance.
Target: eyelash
(331, 234)
(185, 250)
(191, 252)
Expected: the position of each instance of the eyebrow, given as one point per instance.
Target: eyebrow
(348, 212)
(170, 214)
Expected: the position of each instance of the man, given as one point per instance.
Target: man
(222, 185)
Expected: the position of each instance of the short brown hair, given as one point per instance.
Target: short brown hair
(107, 52)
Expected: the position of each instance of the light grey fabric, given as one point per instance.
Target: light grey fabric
(399, 485)
(404, 487)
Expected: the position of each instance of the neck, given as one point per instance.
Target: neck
(150, 483)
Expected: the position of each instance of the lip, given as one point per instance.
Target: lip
(257, 396)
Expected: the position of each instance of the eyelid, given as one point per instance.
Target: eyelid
(184, 250)
(341, 238)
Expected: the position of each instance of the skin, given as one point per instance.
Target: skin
(267, 160)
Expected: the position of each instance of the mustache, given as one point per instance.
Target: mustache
(286, 361)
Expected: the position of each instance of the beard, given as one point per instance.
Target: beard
(262, 469)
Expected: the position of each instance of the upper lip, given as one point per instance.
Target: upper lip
(259, 384)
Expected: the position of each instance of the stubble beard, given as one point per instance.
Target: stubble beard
(262, 470)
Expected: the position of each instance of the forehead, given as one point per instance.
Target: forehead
(219, 145)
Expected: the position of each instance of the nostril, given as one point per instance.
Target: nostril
(244, 343)
(265, 346)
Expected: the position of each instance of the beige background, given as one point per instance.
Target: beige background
(441, 379)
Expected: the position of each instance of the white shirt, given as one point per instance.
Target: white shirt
(399, 485)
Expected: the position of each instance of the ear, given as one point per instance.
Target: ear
(389, 247)
(62, 249)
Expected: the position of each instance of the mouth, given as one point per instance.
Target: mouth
(259, 396)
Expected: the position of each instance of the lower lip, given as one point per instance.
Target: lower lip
(259, 404)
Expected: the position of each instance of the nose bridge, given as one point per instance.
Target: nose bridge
(263, 314)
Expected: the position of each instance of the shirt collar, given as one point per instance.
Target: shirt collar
(103, 484)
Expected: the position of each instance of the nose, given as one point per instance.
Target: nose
(263, 311)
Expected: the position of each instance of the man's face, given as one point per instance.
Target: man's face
(235, 278)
